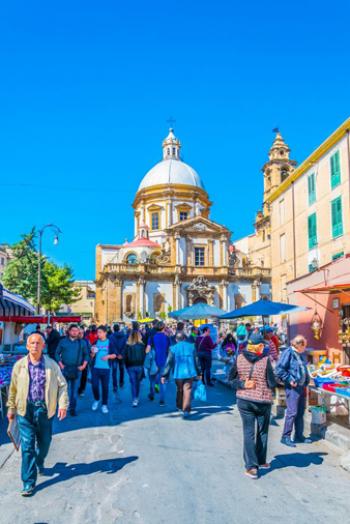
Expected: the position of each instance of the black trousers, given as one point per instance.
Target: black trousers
(205, 361)
(256, 420)
(117, 362)
(83, 380)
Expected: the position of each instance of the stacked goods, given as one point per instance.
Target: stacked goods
(335, 379)
(6, 365)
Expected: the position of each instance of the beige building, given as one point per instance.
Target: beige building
(85, 306)
(305, 220)
(310, 213)
(178, 256)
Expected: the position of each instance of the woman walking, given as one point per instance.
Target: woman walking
(101, 354)
(135, 352)
(182, 360)
(253, 378)
(205, 346)
(291, 369)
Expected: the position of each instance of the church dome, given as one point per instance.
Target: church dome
(171, 170)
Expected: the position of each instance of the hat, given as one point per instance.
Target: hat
(255, 339)
(266, 329)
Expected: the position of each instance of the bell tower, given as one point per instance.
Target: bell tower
(278, 167)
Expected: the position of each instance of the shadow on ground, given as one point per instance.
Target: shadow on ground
(296, 460)
(64, 471)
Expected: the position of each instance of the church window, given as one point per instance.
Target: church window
(199, 256)
(131, 259)
(284, 174)
(168, 150)
(155, 221)
(174, 151)
(183, 215)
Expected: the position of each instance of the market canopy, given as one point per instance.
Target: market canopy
(199, 311)
(12, 304)
(263, 308)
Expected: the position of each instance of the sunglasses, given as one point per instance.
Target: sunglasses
(300, 342)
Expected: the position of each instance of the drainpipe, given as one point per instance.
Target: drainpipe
(294, 240)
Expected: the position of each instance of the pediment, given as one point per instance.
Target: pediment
(198, 225)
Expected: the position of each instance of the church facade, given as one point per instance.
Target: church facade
(179, 256)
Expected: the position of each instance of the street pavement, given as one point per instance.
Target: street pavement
(149, 466)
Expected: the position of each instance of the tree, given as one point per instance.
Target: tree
(57, 288)
(21, 276)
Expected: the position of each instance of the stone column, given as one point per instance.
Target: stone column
(189, 251)
(224, 284)
(223, 251)
(141, 297)
(119, 299)
(177, 249)
(211, 252)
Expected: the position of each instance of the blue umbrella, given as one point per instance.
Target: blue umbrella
(263, 308)
(198, 311)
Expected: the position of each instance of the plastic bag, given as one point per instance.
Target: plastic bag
(200, 393)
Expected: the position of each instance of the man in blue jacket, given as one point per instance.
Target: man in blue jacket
(118, 342)
(292, 370)
(72, 357)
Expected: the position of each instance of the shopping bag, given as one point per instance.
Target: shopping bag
(200, 393)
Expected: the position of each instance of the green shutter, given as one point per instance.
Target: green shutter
(335, 170)
(311, 186)
(337, 218)
(312, 230)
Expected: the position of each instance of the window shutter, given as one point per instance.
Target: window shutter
(335, 170)
(337, 218)
(312, 230)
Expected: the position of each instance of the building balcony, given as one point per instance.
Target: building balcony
(249, 272)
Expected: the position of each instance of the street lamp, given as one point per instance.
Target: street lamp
(57, 231)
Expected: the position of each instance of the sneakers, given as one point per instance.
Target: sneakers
(265, 466)
(287, 441)
(81, 394)
(302, 440)
(95, 405)
(252, 473)
(104, 410)
(186, 414)
(41, 470)
(27, 491)
(162, 403)
(135, 403)
(150, 396)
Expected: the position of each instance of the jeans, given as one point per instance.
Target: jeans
(72, 391)
(183, 393)
(36, 432)
(205, 360)
(115, 364)
(155, 379)
(256, 420)
(135, 376)
(296, 401)
(100, 375)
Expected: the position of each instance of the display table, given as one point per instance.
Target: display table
(325, 398)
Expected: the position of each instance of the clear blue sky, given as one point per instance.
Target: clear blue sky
(86, 88)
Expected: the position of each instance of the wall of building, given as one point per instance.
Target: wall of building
(288, 264)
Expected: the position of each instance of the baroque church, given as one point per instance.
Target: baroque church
(178, 256)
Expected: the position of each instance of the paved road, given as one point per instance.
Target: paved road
(149, 466)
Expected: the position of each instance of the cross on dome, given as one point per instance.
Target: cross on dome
(171, 146)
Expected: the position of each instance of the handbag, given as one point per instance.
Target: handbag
(200, 393)
(150, 363)
(71, 371)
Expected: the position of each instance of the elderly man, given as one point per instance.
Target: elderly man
(37, 386)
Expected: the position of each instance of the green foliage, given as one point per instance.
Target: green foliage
(21, 276)
(162, 315)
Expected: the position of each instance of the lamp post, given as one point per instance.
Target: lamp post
(57, 231)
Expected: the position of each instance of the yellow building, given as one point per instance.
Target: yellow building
(179, 256)
(310, 213)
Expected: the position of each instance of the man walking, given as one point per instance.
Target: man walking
(84, 373)
(205, 346)
(72, 357)
(37, 386)
(52, 340)
(160, 343)
(118, 343)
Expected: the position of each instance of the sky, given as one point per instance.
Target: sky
(86, 89)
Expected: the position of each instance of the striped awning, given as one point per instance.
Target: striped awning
(14, 305)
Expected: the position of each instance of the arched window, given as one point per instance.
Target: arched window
(131, 259)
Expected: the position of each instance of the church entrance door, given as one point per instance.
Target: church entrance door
(200, 300)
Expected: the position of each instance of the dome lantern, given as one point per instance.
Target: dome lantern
(171, 147)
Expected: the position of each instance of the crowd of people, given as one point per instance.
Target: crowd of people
(44, 381)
